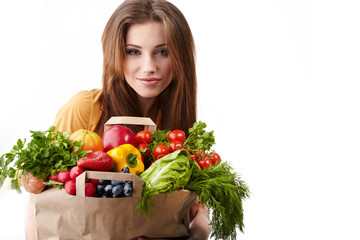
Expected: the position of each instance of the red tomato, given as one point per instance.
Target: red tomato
(143, 137)
(215, 158)
(142, 147)
(184, 150)
(174, 145)
(160, 151)
(177, 135)
(198, 154)
(204, 163)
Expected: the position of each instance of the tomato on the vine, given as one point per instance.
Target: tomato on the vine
(160, 151)
(184, 150)
(204, 163)
(144, 149)
(215, 158)
(174, 145)
(177, 135)
(198, 154)
(143, 136)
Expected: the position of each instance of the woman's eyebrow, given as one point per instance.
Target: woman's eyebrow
(137, 46)
(132, 45)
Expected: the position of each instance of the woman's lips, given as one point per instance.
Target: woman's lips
(149, 81)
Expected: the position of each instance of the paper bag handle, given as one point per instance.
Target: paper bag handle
(80, 181)
(147, 122)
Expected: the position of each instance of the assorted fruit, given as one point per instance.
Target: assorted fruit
(165, 160)
(56, 159)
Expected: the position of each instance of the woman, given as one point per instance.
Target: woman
(148, 70)
(172, 108)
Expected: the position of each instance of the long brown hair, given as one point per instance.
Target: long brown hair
(175, 107)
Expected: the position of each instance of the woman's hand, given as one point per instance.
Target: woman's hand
(200, 224)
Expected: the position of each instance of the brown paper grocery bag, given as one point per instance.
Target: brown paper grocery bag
(62, 216)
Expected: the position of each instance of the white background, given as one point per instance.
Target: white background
(278, 83)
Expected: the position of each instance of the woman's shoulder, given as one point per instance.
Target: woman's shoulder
(86, 96)
(82, 111)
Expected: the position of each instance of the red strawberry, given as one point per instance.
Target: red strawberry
(95, 181)
(90, 189)
(98, 161)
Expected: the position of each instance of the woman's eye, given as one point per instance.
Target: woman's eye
(132, 52)
(163, 52)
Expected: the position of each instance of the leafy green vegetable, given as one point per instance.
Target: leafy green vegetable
(167, 174)
(46, 152)
(159, 137)
(222, 191)
(199, 138)
(218, 187)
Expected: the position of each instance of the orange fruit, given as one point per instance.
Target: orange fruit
(91, 140)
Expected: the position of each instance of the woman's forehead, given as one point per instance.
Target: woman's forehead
(148, 33)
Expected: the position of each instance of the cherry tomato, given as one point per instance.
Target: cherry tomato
(174, 145)
(204, 163)
(177, 135)
(184, 150)
(142, 147)
(198, 154)
(215, 158)
(160, 151)
(143, 136)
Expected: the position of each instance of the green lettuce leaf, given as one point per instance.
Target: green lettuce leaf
(167, 174)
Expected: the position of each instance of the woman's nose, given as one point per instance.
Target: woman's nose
(149, 65)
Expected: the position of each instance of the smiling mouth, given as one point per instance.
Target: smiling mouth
(149, 81)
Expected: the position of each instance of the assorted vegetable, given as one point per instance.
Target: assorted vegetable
(218, 187)
(165, 160)
(47, 152)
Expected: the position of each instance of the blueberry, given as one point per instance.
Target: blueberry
(125, 170)
(117, 190)
(104, 182)
(115, 182)
(128, 190)
(108, 189)
(130, 183)
(100, 189)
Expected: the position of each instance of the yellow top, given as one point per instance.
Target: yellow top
(82, 111)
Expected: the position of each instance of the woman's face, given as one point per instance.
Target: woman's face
(147, 67)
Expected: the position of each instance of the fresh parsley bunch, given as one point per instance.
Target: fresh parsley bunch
(199, 138)
(47, 152)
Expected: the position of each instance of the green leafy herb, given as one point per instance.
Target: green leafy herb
(199, 138)
(223, 192)
(45, 153)
(159, 137)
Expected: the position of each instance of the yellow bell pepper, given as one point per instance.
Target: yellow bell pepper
(127, 155)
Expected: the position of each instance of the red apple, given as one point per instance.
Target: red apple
(117, 135)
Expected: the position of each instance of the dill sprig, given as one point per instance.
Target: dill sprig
(222, 191)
